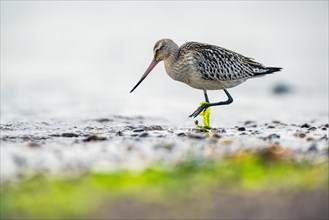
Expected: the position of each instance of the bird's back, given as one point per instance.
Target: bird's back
(220, 64)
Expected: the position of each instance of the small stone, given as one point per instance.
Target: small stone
(103, 120)
(312, 129)
(94, 138)
(199, 130)
(308, 138)
(270, 126)
(196, 135)
(250, 122)
(54, 135)
(241, 128)
(144, 134)
(154, 128)
(281, 89)
(32, 144)
(181, 134)
(69, 134)
(305, 125)
(324, 129)
(138, 130)
(222, 130)
(119, 133)
(299, 134)
(128, 128)
(273, 136)
(255, 132)
(225, 140)
(214, 135)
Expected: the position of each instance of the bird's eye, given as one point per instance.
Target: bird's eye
(158, 49)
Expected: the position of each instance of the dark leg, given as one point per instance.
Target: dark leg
(204, 106)
(205, 95)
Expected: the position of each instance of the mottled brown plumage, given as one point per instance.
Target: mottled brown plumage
(206, 67)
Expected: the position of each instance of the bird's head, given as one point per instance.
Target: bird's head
(161, 51)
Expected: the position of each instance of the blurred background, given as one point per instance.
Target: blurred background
(81, 58)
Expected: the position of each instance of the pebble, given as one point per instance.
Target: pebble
(70, 135)
(154, 128)
(214, 135)
(94, 138)
(138, 130)
(309, 138)
(226, 140)
(102, 120)
(196, 135)
(250, 122)
(119, 133)
(222, 130)
(181, 134)
(281, 89)
(32, 144)
(299, 134)
(144, 134)
(305, 125)
(128, 128)
(272, 136)
(312, 129)
(241, 128)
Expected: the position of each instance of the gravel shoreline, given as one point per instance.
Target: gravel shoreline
(59, 146)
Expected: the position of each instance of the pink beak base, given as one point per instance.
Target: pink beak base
(149, 69)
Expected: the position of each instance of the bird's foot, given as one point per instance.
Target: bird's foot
(203, 106)
(203, 111)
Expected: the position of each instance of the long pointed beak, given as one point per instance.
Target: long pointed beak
(149, 69)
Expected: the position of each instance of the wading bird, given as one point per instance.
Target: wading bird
(205, 67)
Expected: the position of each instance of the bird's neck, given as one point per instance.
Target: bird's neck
(171, 60)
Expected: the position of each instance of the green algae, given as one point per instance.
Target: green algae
(205, 117)
(44, 196)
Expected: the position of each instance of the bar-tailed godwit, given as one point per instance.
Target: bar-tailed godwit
(205, 67)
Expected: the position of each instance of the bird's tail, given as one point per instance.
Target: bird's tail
(261, 71)
(272, 69)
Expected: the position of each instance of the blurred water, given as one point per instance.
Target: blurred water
(81, 58)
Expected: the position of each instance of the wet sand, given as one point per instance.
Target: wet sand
(66, 146)
(70, 147)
